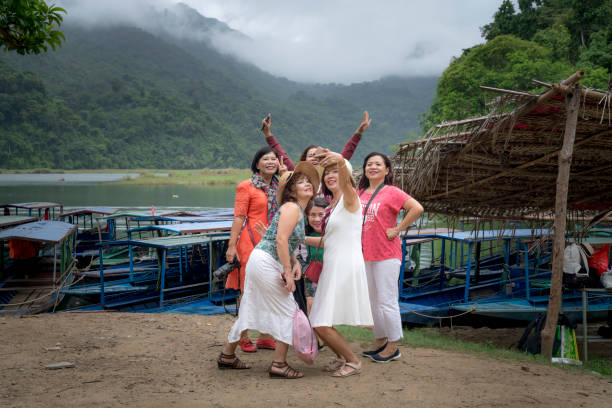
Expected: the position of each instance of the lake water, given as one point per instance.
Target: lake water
(80, 190)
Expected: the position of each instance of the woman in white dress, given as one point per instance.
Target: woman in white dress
(342, 290)
(267, 304)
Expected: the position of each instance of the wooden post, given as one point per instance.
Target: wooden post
(572, 106)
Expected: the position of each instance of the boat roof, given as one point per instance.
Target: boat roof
(90, 210)
(189, 228)
(219, 212)
(480, 236)
(181, 218)
(40, 231)
(123, 215)
(173, 241)
(33, 205)
(12, 220)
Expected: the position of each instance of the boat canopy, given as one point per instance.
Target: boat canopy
(12, 220)
(90, 210)
(189, 228)
(41, 231)
(481, 236)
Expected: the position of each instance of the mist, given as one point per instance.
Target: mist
(318, 41)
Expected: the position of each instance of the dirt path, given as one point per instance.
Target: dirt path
(144, 360)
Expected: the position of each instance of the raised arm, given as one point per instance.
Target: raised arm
(351, 199)
(266, 124)
(352, 143)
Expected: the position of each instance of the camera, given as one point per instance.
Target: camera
(224, 270)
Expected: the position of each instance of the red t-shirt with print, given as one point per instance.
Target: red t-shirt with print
(382, 214)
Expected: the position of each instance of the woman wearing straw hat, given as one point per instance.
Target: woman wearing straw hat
(267, 304)
(342, 290)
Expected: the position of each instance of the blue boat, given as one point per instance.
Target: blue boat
(41, 210)
(427, 293)
(526, 304)
(174, 279)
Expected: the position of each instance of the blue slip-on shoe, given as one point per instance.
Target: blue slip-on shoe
(377, 357)
(370, 353)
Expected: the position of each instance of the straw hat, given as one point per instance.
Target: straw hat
(302, 167)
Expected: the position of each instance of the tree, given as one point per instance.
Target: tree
(28, 26)
(504, 22)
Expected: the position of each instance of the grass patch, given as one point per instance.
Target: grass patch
(188, 177)
(426, 339)
(158, 176)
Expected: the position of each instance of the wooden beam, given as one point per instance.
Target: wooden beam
(546, 84)
(508, 91)
(566, 90)
(565, 161)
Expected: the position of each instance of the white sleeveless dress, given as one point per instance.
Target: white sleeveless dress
(342, 292)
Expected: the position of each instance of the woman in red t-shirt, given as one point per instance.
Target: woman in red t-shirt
(382, 250)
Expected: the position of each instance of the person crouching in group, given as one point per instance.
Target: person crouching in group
(267, 304)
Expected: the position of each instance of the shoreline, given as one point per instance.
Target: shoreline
(153, 177)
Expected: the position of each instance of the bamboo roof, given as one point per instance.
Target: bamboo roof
(505, 164)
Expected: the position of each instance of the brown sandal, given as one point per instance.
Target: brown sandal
(235, 363)
(288, 372)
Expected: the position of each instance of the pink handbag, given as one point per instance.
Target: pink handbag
(305, 342)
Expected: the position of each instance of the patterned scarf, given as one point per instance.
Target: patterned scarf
(270, 191)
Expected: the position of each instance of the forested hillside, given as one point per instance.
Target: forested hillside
(122, 97)
(544, 39)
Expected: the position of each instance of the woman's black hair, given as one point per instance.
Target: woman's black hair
(305, 152)
(364, 182)
(260, 153)
(318, 202)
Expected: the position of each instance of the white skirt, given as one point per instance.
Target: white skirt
(266, 306)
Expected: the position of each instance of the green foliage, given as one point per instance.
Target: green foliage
(546, 39)
(123, 98)
(28, 26)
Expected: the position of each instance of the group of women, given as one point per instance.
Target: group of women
(354, 229)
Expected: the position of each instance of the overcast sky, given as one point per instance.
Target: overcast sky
(339, 41)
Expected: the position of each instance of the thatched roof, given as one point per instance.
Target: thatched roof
(505, 164)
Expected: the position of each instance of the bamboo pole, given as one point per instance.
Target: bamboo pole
(508, 91)
(565, 161)
(564, 89)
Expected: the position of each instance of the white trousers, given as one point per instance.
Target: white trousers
(384, 298)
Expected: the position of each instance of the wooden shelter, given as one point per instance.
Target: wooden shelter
(504, 164)
(531, 155)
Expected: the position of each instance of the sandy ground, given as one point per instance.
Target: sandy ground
(144, 360)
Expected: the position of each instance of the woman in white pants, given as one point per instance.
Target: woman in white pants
(382, 251)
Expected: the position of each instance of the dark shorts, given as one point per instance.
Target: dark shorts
(309, 287)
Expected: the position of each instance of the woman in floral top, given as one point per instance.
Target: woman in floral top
(268, 304)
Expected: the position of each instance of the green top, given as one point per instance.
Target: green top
(315, 253)
(268, 242)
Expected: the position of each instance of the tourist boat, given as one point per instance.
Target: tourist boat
(527, 304)
(41, 210)
(426, 294)
(34, 284)
(181, 268)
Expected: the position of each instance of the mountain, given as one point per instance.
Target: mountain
(162, 96)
